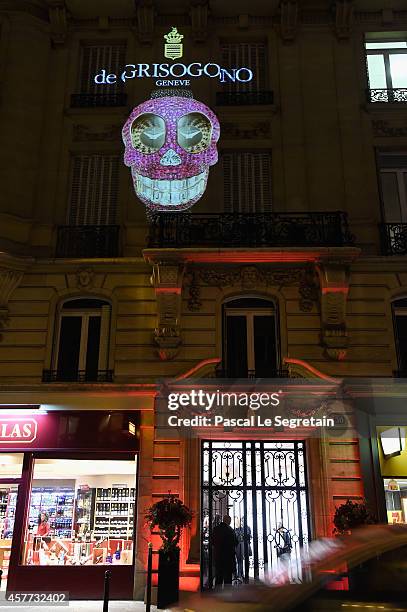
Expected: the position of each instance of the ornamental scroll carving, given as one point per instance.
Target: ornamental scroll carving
(334, 282)
(251, 278)
(167, 282)
(9, 281)
(288, 19)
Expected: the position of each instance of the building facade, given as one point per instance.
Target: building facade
(290, 265)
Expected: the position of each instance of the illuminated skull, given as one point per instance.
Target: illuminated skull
(170, 142)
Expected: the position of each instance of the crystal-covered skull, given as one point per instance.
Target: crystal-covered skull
(170, 142)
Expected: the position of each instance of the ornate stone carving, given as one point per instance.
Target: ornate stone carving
(382, 128)
(84, 278)
(288, 19)
(251, 277)
(199, 19)
(261, 129)
(58, 21)
(167, 282)
(343, 18)
(334, 283)
(145, 21)
(9, 280)
(82, 133)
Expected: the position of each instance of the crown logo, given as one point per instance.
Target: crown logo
(173, 48)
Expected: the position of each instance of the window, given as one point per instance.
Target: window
(247, 182)
(81, 512)
(250, 338)
(387, 70)
(93, 58)
(83, 341)
(250, 55)
(400, 333)
(393, 183)
(94, 187)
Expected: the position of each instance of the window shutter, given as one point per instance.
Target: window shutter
(94, 187)
(250, 55)
(247, 182)
(93, 58)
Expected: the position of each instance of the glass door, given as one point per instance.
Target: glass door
(10, 474)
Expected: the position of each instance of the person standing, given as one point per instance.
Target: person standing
(224, 542)
(240, 548)
(43, 524)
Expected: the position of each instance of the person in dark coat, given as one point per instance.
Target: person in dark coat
(224, 542)
(240, 548)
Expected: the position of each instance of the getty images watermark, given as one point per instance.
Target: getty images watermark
(203, 406)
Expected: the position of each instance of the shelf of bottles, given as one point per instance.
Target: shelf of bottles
(114, 512)
(58, 503)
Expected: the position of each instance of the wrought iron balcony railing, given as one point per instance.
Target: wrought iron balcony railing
(393, 238)
(88, 241)
(244, 98)
(185, 230)
(272, 373)
(92, 100)
(80, 376)
(387, 95)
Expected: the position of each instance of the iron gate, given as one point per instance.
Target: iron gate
(262, 486)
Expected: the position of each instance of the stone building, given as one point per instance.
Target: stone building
(290, 265)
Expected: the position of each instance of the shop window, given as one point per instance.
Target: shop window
(247, 182)
(400, 332)
(81, 512)
(250, 338)
(387, 70)
(94, 189)
(82, 347)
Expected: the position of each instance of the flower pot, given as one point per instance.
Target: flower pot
(168, 578)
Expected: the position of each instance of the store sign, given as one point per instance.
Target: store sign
(18, 430)
(170, 143)
(175, 75)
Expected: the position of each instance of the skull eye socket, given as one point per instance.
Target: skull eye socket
(148, 133)
(194, 132)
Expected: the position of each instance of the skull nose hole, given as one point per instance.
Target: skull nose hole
(170, 158)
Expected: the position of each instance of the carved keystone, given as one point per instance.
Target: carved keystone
(167, 282)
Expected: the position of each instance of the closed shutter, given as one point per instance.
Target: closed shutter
(94, 187)
(94, 58)
(247, 182)
(250, 55)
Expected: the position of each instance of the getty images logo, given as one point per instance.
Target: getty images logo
(220, 399)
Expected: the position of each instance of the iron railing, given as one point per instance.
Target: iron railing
(387, 95)
(393, 238)
(88, 241)
(244, 98)
(92, 100)
(249, 230)
(81, 376)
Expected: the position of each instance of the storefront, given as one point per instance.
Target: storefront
(393, 469)
(68, 489)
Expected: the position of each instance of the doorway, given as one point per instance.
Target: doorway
(11, 465)
(262, 486)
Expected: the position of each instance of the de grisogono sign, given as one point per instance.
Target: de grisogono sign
(171, 140)
(181, 74)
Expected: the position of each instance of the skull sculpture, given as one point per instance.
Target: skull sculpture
(170, 142)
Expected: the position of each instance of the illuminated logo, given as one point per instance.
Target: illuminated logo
(170, 143)
(17, 431)
(173, 48)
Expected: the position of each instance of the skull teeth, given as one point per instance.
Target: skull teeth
(170, 192)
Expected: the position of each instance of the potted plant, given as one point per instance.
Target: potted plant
(351, 515)
(169, 516)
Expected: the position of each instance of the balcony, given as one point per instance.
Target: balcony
(228, 230)
(279, 373)
(393, 238)
(92, 100)
(88, 241)
(244, 98)
(78, 376)
(387, 95)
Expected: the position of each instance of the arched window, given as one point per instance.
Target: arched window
(400, 333)
(250, 339)
(82, 341)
